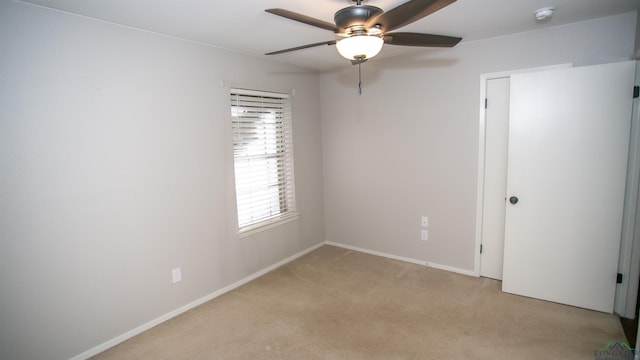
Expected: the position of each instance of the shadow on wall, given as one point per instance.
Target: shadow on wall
(372, 70)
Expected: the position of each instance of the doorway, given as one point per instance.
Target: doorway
(626, 292)
(492, 169)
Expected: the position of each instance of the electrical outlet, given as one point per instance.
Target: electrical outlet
(425, 221)
(424, 235)
(176, 275)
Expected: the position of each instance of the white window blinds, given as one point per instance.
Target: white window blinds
(263, 159)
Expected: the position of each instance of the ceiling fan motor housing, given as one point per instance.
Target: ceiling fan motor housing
(354, 17)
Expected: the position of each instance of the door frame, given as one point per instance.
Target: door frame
(629, 258)
(629, 263)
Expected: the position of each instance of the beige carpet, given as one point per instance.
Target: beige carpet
(340, 304)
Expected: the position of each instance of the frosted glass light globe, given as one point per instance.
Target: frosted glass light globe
(360, 46)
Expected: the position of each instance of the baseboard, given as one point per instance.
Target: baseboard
(405, 259)
(157, 321)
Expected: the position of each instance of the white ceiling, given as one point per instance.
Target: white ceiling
(242, 25)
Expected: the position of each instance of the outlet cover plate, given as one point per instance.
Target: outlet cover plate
(176, 275)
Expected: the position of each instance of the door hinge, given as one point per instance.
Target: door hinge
(636, 92)
(480, 248)
(619, 279)
(486, 101)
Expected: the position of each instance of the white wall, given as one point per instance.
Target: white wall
(115, 167)
(409, 145)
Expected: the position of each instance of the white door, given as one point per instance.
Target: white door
(495, 180)
(568, 145)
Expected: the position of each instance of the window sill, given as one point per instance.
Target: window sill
(267, 225)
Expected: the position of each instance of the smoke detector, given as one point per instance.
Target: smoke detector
(544, 13)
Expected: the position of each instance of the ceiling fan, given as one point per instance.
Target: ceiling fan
(366, 28)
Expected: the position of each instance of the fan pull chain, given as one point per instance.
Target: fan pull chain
(359, 80)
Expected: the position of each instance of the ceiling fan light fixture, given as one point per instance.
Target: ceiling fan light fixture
(360, 46)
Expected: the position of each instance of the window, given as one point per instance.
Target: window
(263, 159)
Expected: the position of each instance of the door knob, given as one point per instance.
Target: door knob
(513, 200)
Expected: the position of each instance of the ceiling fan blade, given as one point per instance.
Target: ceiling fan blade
(332, 42)
(417, 39)
(406, 13)
(303, 19)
